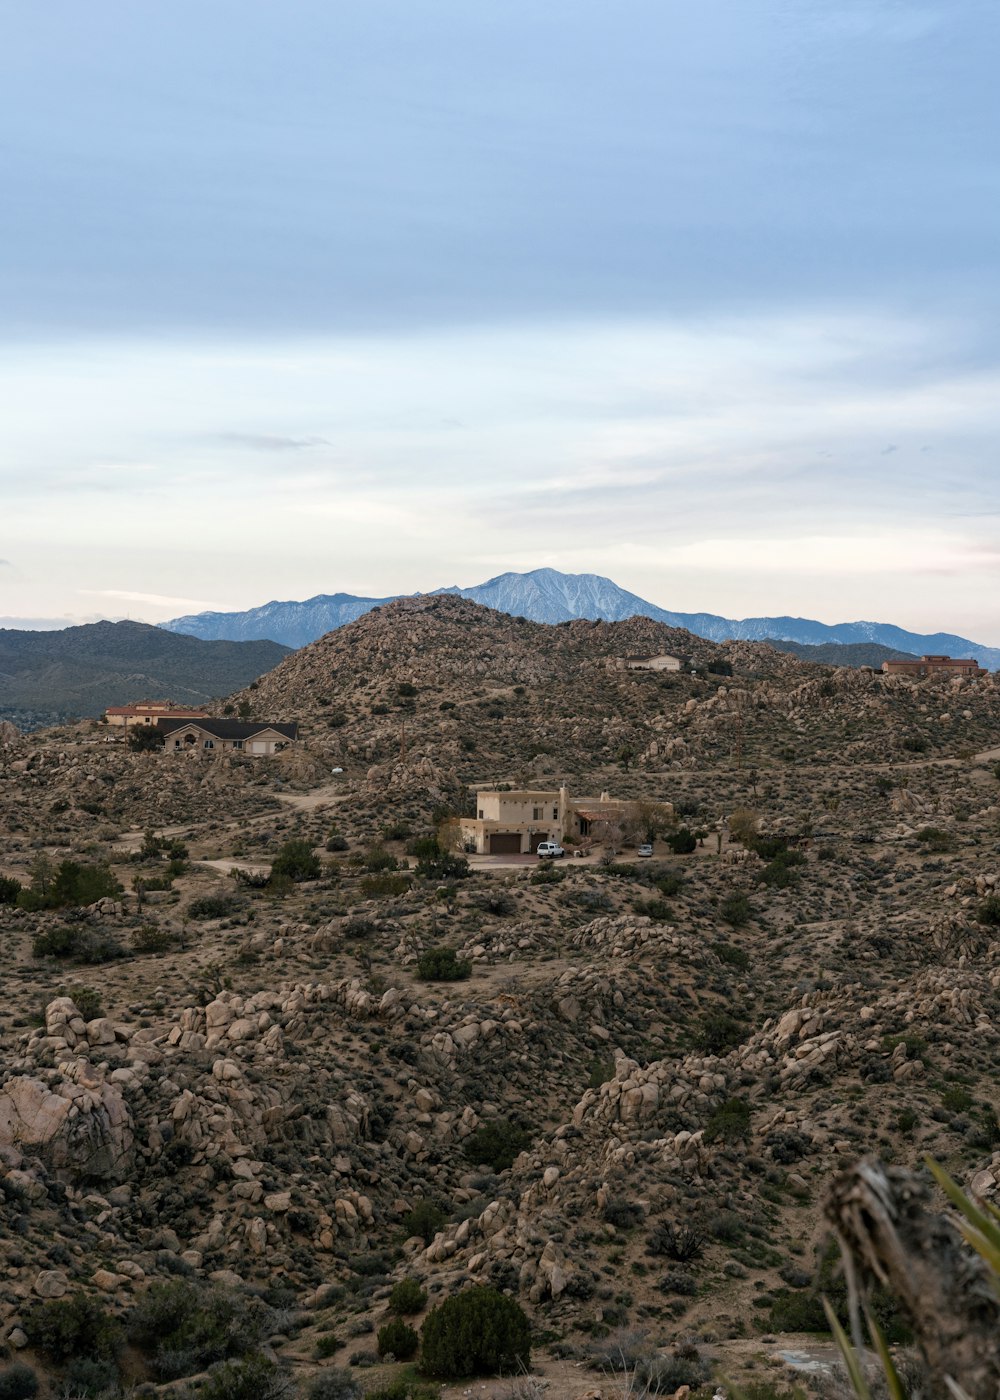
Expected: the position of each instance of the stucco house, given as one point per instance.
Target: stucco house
(516, 822)
(148, 712)
(212, 736)
(660, 662)
(933, 666)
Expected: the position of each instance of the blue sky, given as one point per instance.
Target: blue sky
(394, 294)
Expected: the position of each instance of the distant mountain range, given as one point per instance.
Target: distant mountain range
(82, 670)
(546, 595)
(842, 653)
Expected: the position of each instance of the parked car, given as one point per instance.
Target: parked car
(645, 850)
(551, 849)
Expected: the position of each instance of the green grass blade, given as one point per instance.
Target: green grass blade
(893, 1383)
(852, 1362)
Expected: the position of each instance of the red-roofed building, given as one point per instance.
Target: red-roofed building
(148, 712)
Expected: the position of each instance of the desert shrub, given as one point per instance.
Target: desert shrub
(477, 1332)
(425, 1219)
(623, 1215)
(407, 1297)
(184, 1327)
(397, 1339)
(956, 1099)
(731, 955)
(86, 1000)
(406, 689)
(252, 879)
(718, 1032)
(442, 965)
(657, 909)
(735, 909)
(664, 1375)
(80, 944)
(213, 906)
(446, 865)
(295, 861)
(935, 839)
(730, 1122)
(988, 911)
(9, 891)
(780, 872)
(678, 1281)
(670, 883)
(496, 902)
(64, 1329)
(788, 1147)
(496, 1144)
(18, 1382)
(377, 859)
(335, 842)
(384, 886)
(915, 743)
(396, 831)
(682, 841)
(252, 1378)
(336, 1383)
(681, 1243)
(547, 874)
(151, 939)
(403, 1388)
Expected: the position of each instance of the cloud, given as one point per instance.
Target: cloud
(158, 600)
(269, 442)
(6, 564)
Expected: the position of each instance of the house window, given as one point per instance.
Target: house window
(237, 743)
(210, 743)
(555, 814)
(480, 814)
(536, 814)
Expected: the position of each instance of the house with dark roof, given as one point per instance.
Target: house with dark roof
(213, 736)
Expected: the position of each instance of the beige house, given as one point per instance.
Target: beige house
(518, 821)
(662, 662)
(213, 736)
(149, 712)
(933, 666)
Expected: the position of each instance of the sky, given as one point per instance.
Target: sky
(378, 296)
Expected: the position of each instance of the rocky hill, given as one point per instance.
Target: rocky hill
(82, 670)
(628, 1111)
(841, 653)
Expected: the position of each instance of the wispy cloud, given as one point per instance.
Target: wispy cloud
(269, 442)
(157, 600)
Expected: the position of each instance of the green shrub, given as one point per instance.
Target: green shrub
(729, 1123)
(151, 939)
(80, 944)
(956, 1099)
(327, 1345)
(295, 861)
(183, 1327)
(253, 1378)
(335, 1383)
(719, 1032)
(442, 965)
(735, 909)
(335, 842)
(86, 1000)
(67, 1328)
(496, 1144)
(682, 841)
(407, 1297)
(397, 1339)
(478, 1332)
(670, 883)
(443, 866)
(425, 1219)
(731, 955)
(9, 891)
(213, 906)
(18, 1382)
(385, 886)
(988, 911)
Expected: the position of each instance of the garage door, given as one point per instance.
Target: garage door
(537, 840)
(505, 843)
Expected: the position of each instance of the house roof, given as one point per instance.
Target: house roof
(229, 728)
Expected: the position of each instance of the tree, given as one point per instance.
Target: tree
(479, 1332)
(296, 861)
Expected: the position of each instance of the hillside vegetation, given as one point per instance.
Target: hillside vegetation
(353, 1080)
